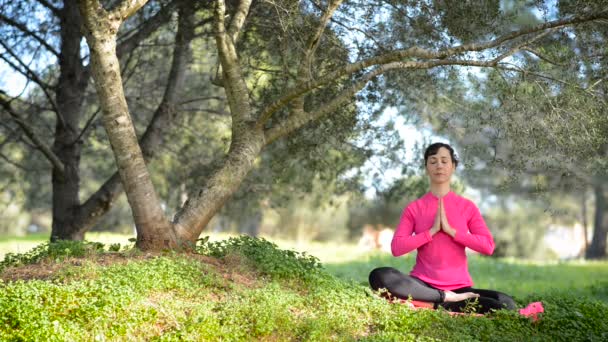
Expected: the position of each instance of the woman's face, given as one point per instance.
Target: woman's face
(439, 167)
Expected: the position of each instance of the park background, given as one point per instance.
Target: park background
(526, 115)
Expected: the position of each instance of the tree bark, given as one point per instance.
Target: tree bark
(597, 248)
(103, 199)
(70, 219)
(69, 96)
(247, 140)
(206, 201)
(153, 229)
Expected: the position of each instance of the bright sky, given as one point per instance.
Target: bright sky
(10, 81)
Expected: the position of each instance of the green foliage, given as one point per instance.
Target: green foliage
(115, 247)
(177, 297)
(264, 256)
(87, 308)
(54, 251)
(316, 216)
(456, 16)
(570, 317)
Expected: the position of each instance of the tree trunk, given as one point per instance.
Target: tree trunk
(69, 97)
(584, 214)
(205, 202)
(70, 219)
(153, 229)
(247, 139)
(103, 199)
(597, 248)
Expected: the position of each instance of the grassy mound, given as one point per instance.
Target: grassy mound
(240, 289)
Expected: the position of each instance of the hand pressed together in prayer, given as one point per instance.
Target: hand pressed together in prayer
(441, 222)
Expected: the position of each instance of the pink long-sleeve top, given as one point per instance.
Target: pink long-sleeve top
(441, 259)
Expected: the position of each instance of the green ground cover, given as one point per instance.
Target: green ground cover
(245, 289)
(22, 244)
(519, 278)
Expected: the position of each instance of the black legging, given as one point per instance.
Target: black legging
(405, 286)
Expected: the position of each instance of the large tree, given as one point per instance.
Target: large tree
(61, 91)
(304, 81)
(183, 119)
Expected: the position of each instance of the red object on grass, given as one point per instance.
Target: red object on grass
(531, 311)
(422, 305)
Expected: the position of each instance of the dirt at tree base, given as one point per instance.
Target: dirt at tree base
(230, 268)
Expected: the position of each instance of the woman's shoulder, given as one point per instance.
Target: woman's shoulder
(416, 203)
(464, 201)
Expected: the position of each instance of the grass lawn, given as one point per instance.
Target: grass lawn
(22, 244)
(246, 289)
(519, 278)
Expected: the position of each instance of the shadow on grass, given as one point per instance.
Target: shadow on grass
(521, 279)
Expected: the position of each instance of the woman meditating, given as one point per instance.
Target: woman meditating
(440, 225)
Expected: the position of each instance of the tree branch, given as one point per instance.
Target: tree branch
(99, 203)
(233, 81)
(86, 126)
(515, 34)
(14, 134)
(126, 8)
(519, 70)
(595, 83)
(315, 39)
(15, 164)
(29, 131)
(523, 44)
(24, 29)
(302, 117)
(177, 74)
(417, 52)
(129, 43)
(304, 69)
(238, 20)
(27, 72)
(543, 57)
(295, 121)
(217, 112)
(31, 75)
(48, 5)
(206, 98)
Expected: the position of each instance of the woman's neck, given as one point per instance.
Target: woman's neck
(440, 190)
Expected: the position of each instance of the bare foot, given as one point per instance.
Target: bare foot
(457, 297)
